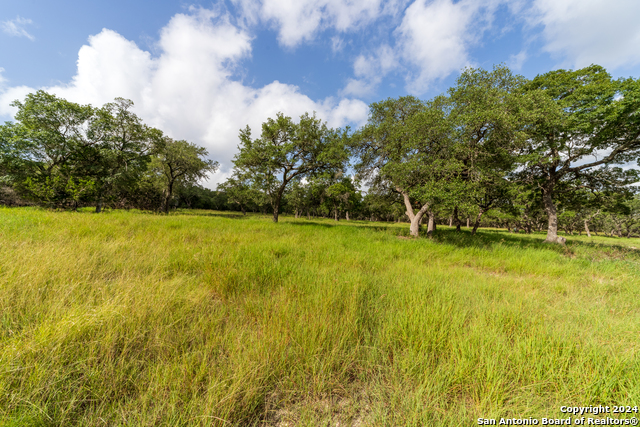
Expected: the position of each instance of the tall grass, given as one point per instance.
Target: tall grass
(214, 319)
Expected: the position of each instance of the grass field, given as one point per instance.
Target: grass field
(208, 318)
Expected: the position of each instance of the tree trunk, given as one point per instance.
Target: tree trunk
(335, 215)
(586, 228)
(347, 215)
(414, 219)
(432, 225)
(477, 223)
(456, 219)
(451, 221)
(167, 199)
(275, 204)
(550, 208)
(468, 222)
(99, 206)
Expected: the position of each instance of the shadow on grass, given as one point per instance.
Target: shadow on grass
(328, 222)
(488, 239)
(217, 214)
(484, 238)
(310, 222)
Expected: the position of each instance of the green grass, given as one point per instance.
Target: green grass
(207, 319)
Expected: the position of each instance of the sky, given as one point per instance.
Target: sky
(201, 70)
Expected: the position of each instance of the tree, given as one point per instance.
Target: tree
(71, 152)
(240, 191)
(287, 151)
(297, 197)
(489, 112)
(406, 146)
(39, 152)
(180, 161)
(586, 121)
(121, 148)
(343, 196)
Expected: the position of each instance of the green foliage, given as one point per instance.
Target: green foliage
(59, 153)
(120, 150)
(288, 151)
(241, 192)
(79, 188)
(489, 114)
(586, 120)
(44, 190)
(406, 147)
(343, 196)
(180, 162)
(40, 152)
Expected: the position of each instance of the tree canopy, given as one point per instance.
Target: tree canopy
(59, 153)
(286, 151)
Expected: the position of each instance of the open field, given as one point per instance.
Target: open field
(209, 318)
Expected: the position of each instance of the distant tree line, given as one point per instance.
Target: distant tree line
(553, 153)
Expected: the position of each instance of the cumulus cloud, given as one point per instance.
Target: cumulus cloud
(582, 32)
(435, 37)
(369, 70)
(188, 90)
(9, 94)
(15, 27)
(432, 41)
(298, 21)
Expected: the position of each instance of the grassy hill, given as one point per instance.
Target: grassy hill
(208, 318)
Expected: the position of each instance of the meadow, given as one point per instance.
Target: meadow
(216, 319)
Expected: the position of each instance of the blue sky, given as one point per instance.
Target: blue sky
(202, 70)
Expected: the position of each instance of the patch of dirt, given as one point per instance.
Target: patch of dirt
(334, 411)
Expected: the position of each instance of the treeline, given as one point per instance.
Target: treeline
(61, 154)
(552, 153)
(555, 152)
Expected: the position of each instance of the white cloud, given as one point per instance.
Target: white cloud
(15, 27)
(298, 21)
(516, 61)
(583, 32)
(337, 44)
(369, 71)
(436, 36)
(432, 42)
(9, 94)
(188, 90)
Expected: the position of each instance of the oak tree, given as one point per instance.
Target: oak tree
(287, 151)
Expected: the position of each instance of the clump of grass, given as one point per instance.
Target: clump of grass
(137, 319)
